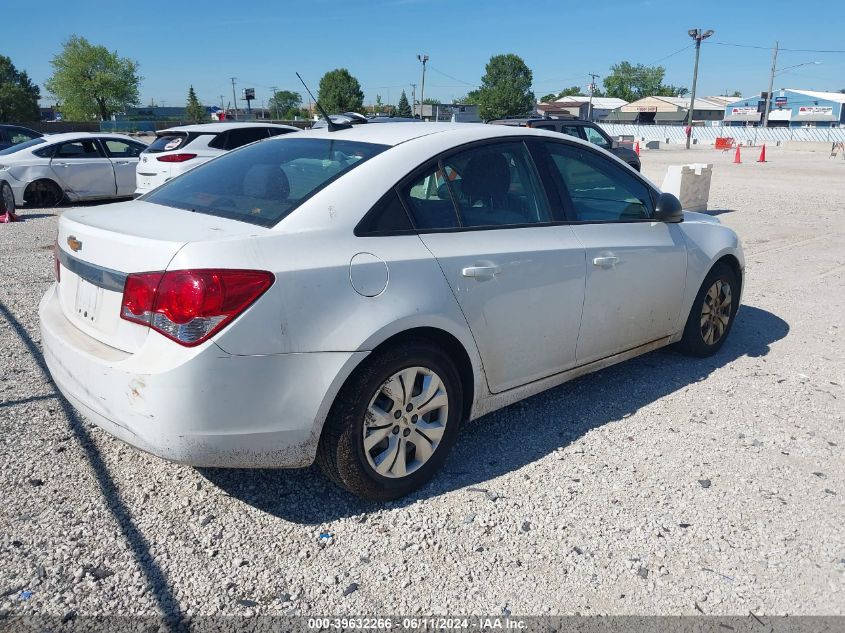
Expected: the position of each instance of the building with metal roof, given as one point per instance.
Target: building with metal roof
(789, 107)
(669, 111)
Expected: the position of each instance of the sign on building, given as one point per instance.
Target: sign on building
(808, 110)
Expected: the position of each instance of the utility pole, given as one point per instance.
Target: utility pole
(423, 59)
(414, 100)
(771, 86)
(592, 90)
(275, 103)
(234, 98)
(697, 35)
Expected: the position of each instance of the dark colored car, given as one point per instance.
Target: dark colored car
(578, 128)
(14, 134)
(353, 118)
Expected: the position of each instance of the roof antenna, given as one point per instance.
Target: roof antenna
(333, 127)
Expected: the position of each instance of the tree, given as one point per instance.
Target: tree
(286, 104)
(569, 92)
(430, 101)
(630, 82)
(505, 87)
(18, 95)
(91, 81)
(340, 92)
(470, 98)
(548, 98)
(194, 110)
(404, 108)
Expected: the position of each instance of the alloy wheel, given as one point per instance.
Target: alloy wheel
(716, 312)
(405, 422)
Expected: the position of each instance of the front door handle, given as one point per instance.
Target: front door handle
(606, 262)
(481, 272)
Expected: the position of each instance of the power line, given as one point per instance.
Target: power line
(461, 81)
(768, 48)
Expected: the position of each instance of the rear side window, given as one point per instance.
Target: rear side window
(263, 183)
(116, 148)
(493, 185)
(78, 149)
(388, 216)
(238, 137)
(168, 143)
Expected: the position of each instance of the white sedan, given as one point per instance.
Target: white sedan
(180, 149)
(75, 166)
(354, 295)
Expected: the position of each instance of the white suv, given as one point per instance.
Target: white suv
(180, 149)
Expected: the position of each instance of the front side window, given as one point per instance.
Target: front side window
(21, 146)
(492, 185)
(600, 190)
(595, 137)
(78, 149)
(121, 149)
(263, 183)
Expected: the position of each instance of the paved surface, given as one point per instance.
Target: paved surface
(664, 485)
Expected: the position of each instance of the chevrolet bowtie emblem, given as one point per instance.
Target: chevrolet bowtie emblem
(75, 244)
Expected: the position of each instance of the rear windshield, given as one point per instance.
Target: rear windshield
(264, 182)
(169, 142)
(20, 146)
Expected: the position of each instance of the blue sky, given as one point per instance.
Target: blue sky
(262, 43)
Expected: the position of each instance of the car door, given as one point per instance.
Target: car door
(123, 156)
(517, 275)
(83, 170)
(636, 266)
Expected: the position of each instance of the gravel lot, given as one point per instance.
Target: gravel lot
(665, 485)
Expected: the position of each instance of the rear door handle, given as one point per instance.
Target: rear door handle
(606, 262)
(481, 272)
(123, 162)
(62, 165)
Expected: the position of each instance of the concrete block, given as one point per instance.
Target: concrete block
(690, 184)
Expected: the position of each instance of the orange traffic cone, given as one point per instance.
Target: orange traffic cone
(737, 159)
(637, 148)
(762, 158)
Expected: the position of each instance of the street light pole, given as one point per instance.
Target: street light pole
(234, 98)
(697, 35)
(423, 59)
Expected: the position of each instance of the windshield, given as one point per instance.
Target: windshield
(21, 146)
(263, 182)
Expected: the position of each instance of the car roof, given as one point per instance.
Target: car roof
(72, 136)
(213, 128)
(397, 133)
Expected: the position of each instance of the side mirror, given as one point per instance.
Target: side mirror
(668, 209)
(614, 144)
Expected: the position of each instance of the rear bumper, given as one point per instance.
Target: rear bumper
(197, 406)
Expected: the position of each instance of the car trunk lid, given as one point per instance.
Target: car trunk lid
(99, 246)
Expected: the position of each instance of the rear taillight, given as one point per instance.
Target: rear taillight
(176, 158)
(189, 306)
(57, 266)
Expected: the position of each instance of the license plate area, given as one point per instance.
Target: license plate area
(88, 299)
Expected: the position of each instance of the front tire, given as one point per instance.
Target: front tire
(712, 314)
(393, 422)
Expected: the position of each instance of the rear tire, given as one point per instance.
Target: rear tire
(712, 314)
(393, 422)
(43, 194)
(7, 200)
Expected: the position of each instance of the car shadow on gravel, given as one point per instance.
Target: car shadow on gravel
(523, 432)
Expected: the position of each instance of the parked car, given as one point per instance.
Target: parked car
(354, 296)
(14, 134)
(42, 172)
(354, 118)
(579, 128)
(180, 149)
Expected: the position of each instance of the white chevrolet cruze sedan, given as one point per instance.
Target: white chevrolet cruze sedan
(352, 296)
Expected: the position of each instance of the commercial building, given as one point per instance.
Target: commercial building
(789, 107)
(579, 107)
(670, 111)
(454, 112)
